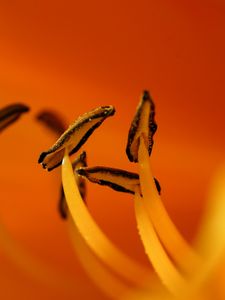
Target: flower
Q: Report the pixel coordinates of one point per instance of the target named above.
(186, 273)
(181, 270)
(51, 58)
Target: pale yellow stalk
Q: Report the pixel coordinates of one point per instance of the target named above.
(97, 241)
(179, 250)
(159, 259)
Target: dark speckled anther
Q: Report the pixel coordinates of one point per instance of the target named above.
(117, 179)
(144, 118)
(75, 136)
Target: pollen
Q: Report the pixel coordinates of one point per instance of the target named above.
(142, 124)
(117, 179)
(75, 136)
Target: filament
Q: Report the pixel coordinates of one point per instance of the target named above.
(177, 247)
(165, 269)
(106, 281)
(103, 248)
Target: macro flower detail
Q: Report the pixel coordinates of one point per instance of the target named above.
(173, 259)
(181, 270)
(143, 126)
(66, 236)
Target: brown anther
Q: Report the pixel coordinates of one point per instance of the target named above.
(142, 124)
(75, 136)
(117, 179)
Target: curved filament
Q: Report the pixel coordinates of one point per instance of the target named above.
(106, 281)
(177, 247)
(163, 266)
(104, 249)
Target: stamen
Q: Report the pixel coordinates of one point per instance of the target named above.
(11, 113)
(140, 142)
(154, 250)
(210, 243)
(103, 248)
(79, 162)
(52, 121)
(75, 136)
(143, 122)
(175, 244)
(117, 179)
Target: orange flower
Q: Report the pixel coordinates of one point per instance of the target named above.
(83, 55)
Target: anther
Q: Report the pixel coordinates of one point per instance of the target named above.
(142, 124)
(117, 179)
(75, 136)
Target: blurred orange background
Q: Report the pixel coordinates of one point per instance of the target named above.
(73, 56)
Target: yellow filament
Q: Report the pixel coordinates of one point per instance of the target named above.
(106, 281)
(182, 254)
(35, 267)
(210, 244)
(103, 248)
(165, 269)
